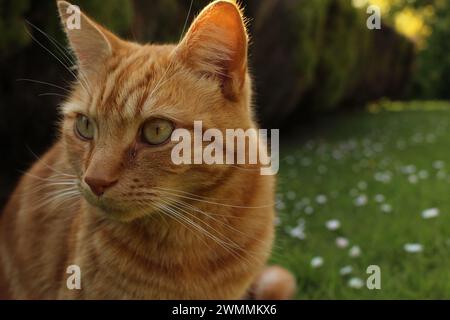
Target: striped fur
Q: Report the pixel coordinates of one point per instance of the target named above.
(126, 243)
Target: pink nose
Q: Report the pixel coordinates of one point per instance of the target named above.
(99, 186)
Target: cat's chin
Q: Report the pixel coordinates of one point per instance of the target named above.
(107, 210)
(124, 216)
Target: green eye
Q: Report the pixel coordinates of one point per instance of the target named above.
(157, 131)
(84, 127)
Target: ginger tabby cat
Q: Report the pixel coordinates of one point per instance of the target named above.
(107, 197)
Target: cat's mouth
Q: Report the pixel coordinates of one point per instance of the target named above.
(114, 209)
(105, 204)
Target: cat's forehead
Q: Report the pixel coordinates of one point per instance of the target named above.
(144, 82)
(129, 82)
(132, 78)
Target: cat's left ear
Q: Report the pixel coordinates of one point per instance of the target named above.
(216, 45)
(91, 43)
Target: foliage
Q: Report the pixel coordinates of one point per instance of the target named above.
(323, 57)
(432, 79)
(432, 73)
(13, 36)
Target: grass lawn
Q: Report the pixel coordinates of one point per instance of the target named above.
(374, 174)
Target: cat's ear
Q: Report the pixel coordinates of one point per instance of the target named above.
(216, 44)
(90, 42)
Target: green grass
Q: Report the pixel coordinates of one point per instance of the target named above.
(338, 160)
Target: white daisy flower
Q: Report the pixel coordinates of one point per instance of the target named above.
(291, 195)
(309, 210)
(384, 177)
(333, 224)
(354, 251)
(438, 164)
(361, 200)
(316, 262)
(441, 174)
(280, 205)
(430, 213)
(413, 179)
(410, 169)
(321, 199)
(386, 208)
(362, 185)
(346, 270)
(379, 198)
(423, 174)
(342, 242)
(298, 232)
(355, 283)
(413, 247)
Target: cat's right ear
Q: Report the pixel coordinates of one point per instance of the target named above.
(216, 45)
(90, 42)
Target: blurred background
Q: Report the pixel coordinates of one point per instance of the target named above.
(363, 116)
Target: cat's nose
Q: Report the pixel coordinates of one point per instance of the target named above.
(99, 185)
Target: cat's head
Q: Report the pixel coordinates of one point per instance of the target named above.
(130, 97)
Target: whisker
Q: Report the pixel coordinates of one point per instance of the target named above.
(60, 47)
(162, 190)
(51, 94)
(163, 209)
(59, 60)
(58, 198)
(209, 215)
(45, 83)
(48, 166)
(230, 247)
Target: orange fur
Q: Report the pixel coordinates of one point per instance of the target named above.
(124, 244)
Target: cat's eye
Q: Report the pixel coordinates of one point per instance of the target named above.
(84, 127)
(157, 131)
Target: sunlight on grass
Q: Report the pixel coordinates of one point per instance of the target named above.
(369, 189)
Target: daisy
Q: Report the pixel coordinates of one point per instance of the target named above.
(413, 179)
(355, 283)
(342, 242)
(430, 213)
(360, 200)
(354, 251)
(316, 262)
(346, 270)
(298, 232)
(309, 210)
(291, 195)
(438, 164)
(333, 224)
(321, 199)
(379, 198)
(362, 185)
(413, 247)
(386, 208)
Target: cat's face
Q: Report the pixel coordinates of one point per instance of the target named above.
(129, 99)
